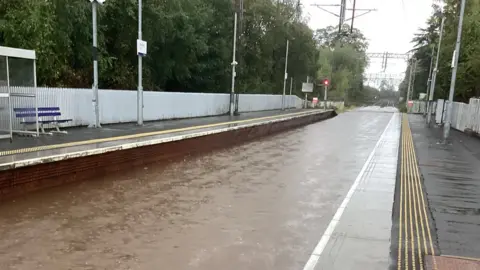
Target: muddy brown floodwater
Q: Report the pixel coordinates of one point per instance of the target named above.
(260, 205)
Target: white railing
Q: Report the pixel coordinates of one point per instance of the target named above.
(459, 115)
(464, 116)
(330, 104)
(418, 106)
(473, 116)
(119, 106)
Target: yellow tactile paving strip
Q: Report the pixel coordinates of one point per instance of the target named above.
(415, 237)
(141, 135)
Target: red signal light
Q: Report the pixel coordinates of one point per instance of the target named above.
(326, 82)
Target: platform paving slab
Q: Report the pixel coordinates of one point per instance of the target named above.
(361, 239)
(451, 174)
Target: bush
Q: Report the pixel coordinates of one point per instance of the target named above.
(402, 107)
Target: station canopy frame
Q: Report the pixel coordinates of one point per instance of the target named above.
(18, 89)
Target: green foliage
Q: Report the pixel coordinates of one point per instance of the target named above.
(189, 43)
(342, 60)
(468, 74)
(331, 37)
(402, 107)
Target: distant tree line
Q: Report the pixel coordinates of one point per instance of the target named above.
(189, 45)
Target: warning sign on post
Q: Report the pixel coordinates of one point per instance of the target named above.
(141, 47)
(307, 87)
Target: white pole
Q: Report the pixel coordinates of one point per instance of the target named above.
(95, 65)
(429, 81)
(285, 77)
(234, 63)
(140, 86)
(10, 109)
(36, 93)
(325, 98)
(290, 96)
(410, 78)
(306, 95)
(448, 122)
(434, 75)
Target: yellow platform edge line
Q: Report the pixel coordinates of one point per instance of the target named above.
(414, 178)
(405, 199)
(400, 219)
(141, 135)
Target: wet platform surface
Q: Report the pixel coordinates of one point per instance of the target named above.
(413, 231)
(84, 138)
(451, 175)
(359, 235)
(260, 205)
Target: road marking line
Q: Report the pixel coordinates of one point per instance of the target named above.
(410, 189)
(406, 202)
(317, 252)
(423, 201)
(412, 237)
(418, 216)
(139, 135)
(417, 192)
(416, 205)
(402, 176)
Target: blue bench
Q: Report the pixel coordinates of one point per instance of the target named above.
(46, 115)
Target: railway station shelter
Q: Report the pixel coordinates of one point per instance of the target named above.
(18, 92)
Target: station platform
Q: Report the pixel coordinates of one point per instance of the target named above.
(358, 236)
(435, 212)
(451, 179)
(131, 144)
(84, 138)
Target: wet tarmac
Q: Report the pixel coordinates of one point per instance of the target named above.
(261, 205)
(451, 175)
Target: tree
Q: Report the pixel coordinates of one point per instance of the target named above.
(342, 59)
(468, 73)
(330, 37)
(189, 43)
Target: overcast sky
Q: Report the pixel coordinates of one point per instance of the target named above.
(389, 29)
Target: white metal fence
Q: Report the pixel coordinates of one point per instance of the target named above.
(473, 120)
(330, 104)
(119, 106)
(417, 107)
(464, 116)
(420, 107)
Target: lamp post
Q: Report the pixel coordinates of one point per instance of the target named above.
(456, 54)
(141, 52)
(290, 96)
(434, 74)
(285, 77)
(234, 64)
(95, 63)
